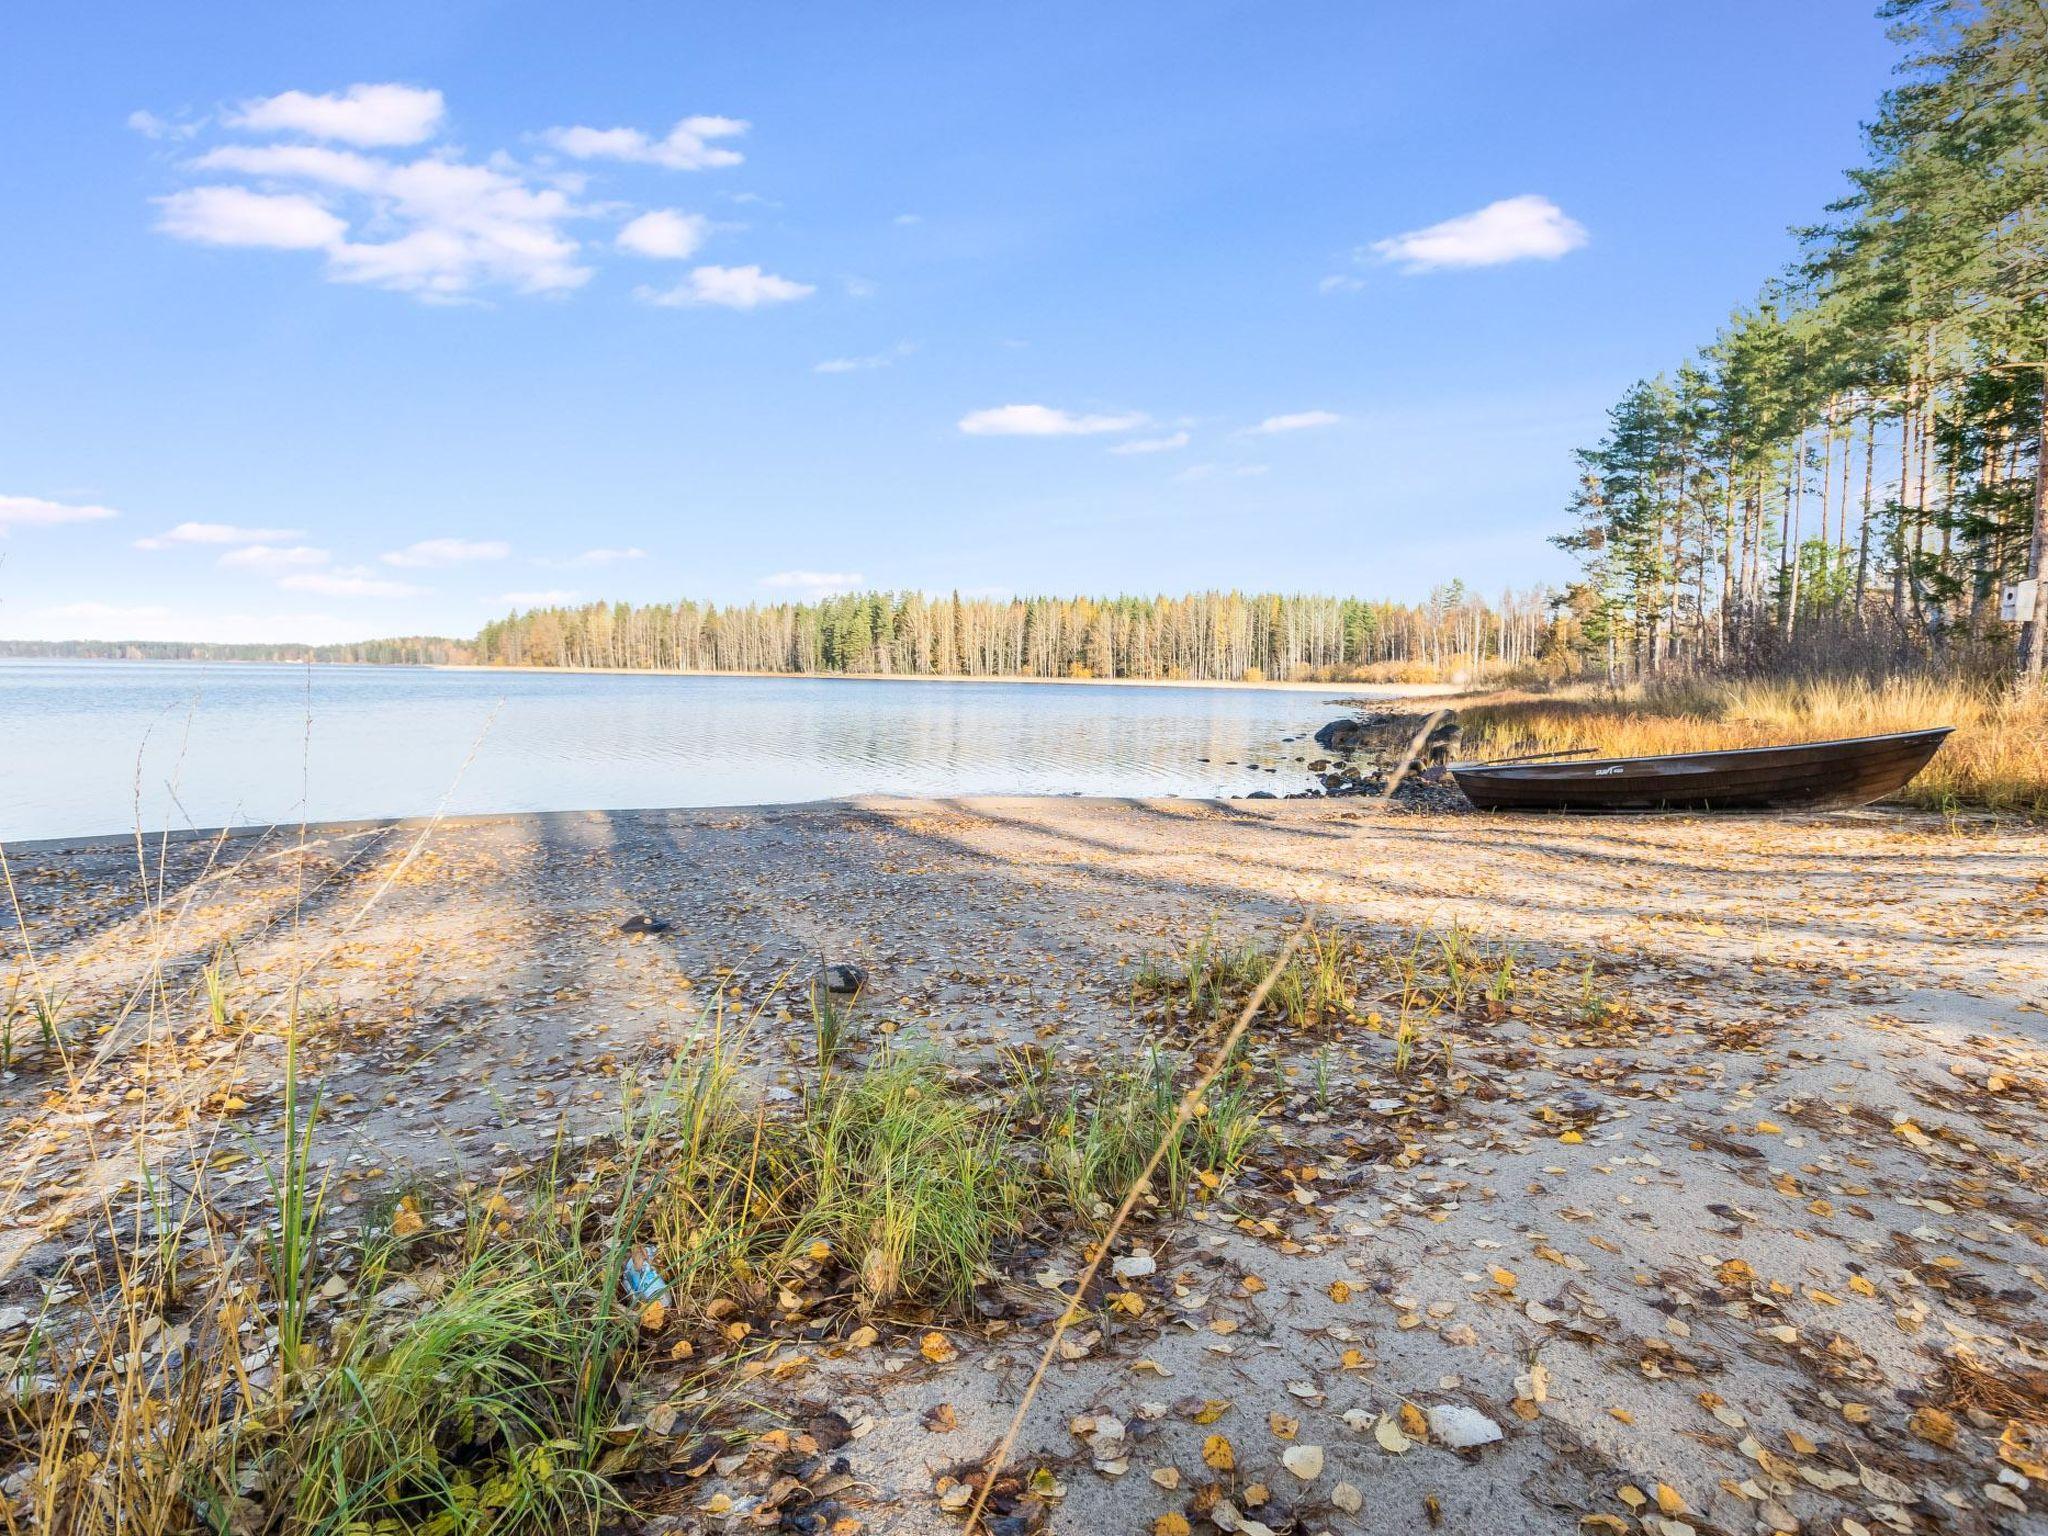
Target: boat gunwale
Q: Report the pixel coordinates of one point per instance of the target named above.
(1564, 771)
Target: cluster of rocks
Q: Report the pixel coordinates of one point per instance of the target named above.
(1363, 751)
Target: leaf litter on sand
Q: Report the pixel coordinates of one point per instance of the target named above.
(1731, 1103)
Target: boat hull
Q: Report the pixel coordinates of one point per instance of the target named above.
(1808, 776)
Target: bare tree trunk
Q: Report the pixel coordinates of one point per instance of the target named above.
(2034, 631)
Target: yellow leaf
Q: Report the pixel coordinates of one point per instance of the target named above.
(1933, 1426)
(654, 1316)
(1413, 1424)
(1217, 1455)
(1621, 1414)
(1253, 1285)
(1668, 1500)
(407, 1223)
(1128, 1302)
(1340, 1292)
(1504, 1278)
(1212, 1409)
(1282, 1426)
(1856, 1413)
(937, 1348)
(1571, 1138)
(1767, 1128)
(1172, 1523)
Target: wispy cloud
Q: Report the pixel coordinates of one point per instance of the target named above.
(1514, 229)
(727, 288)
(369, 115)
(218, 533)
(1045, 421)
(814, 583)
(901, 350)
(552, 597)
(436, 552)
(272, 557)
(1341, 282)
(33, 511)
(453, 225)
(348, 584)
(278, 221)
(152, 126)
(1294, 421)
(688, 146)
(665, 234)
(1165, 444)
(608, 556)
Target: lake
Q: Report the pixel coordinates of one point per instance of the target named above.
(102, 746)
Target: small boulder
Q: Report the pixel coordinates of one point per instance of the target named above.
(842, 978)
(641, 922)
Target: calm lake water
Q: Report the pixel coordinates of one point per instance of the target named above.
(93, 747)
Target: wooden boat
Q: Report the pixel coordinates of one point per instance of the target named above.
(1807, 776)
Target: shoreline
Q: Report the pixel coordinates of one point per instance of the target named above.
(1276, 685)
(1387, 690)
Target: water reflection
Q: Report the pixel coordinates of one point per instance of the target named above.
(98, 746)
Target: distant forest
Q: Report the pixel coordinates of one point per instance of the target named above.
(1213, 636)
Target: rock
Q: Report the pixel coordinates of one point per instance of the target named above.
(1345, 735)
(640, 922)
(843, 978)
(1262, 794)
(1458, 1428)
(1133, 1266)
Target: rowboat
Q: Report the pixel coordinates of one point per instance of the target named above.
(1806, 776)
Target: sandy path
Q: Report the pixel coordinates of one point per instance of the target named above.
(1788, 990)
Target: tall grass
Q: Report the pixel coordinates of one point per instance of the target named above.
(1998, 757)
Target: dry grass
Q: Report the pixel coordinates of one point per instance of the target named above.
(1998, 757)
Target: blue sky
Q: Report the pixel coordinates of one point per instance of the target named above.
(379, 318)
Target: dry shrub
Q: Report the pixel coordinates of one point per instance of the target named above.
(1998, 757)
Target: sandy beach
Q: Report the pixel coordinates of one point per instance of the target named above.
(1744, 1186)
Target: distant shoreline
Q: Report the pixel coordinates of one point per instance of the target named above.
(1276, 685)
(1390, 690)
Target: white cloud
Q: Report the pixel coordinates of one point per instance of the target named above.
(814, 583)
(272, 557)
(347, 584)
(237, 216)
(370, 115)
(664, 233)
(906, 220)
(457, 224)
(1513, 229)
(1340, 282)
(1165, 444)
(1295, 421)
(902, 349)
(33, 511)
(687, 146)
(608, 556)
(728, 288)
(150, 126)
(433, 552)
(218, 533)
(1044, 421)
(553, 597)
